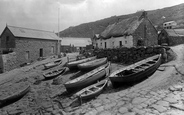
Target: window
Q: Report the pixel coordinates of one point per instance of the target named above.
(7, 39)
(27, 55)
(105, 44)
(52, 49)
(125, 42)
(120, 43)
(113, 44)
(101, 44)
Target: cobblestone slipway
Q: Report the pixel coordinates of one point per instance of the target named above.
(160, 94)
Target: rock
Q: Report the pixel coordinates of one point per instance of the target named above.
(176, 88)
(170, 100)
(97, 104)
(110, 105)
(138, 100)
(50, 109)
(104, 113)
(99, 109)
(123, 110)
(163, 103)
(130, 113)
(120, 103)
(93, 112)
(159, 108)
(139, 111)
(179, 106)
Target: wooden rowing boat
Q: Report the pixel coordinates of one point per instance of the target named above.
(136, 72)
(88, 78)
(92, 64)
(73, 64)
(52, 64)
(92, 90)
(14, 97)
(54, 73)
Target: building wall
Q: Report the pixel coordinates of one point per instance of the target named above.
(175, 40)
(7, 43)
(170, 40)
(114, 42)
(169, 25)
(145, 33)
(8, 62)
(27, 47)
(127, 41)
(163, 38)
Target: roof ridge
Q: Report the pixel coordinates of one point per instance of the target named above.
(175, 32)
(30, 29)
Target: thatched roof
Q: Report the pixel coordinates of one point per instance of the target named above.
(124, 27)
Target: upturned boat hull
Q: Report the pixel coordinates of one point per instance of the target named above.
(14, 97)
(74, 64)
(92, 64)
(52, 64)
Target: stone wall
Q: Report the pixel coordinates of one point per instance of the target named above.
(127, 55)
(175, 40)
(147, 33)
(8, 62)
(32, 47)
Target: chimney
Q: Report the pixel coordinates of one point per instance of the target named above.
(143, 15)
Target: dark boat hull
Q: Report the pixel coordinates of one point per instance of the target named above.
(89, 79)
(15, 97)
(81, 84)
(134, 78)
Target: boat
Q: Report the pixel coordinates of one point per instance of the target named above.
(54, 73)
(88, 78)
(52, 64)
(73, 64)
(87, 66)
(92, 90)
(14, 97)
(135, 72)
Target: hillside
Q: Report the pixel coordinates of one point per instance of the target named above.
(175, 13)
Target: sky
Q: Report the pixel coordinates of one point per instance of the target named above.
(44, 14)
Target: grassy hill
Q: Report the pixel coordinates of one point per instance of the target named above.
(175, 13)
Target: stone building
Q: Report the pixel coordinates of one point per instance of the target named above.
(29, 44)
(169, 25)
(171, 37)
(134, 31)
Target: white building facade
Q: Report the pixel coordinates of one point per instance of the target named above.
(114, 42)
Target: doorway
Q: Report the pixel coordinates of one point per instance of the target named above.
(41, 52)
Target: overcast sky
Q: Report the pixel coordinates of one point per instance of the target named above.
(43, 14)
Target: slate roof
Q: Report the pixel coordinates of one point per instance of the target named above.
(175, 32)
(78, 42)
(32, 33)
